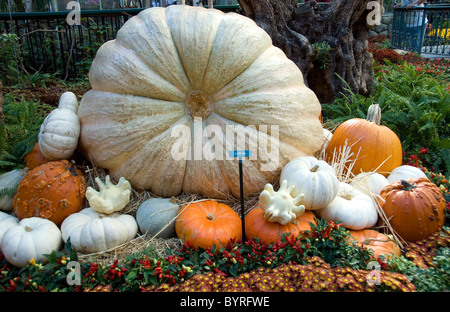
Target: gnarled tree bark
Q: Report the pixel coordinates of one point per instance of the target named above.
(342, 24)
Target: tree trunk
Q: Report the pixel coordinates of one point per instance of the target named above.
(342, 25)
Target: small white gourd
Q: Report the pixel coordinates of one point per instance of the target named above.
(110, 198)
(405, 172)
(313, 178)
(31, 238)
(355, 209)
(280, 206)
(6, 221)
(369, 182)
(90, 231)
(60, 130)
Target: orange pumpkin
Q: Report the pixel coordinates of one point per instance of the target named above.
(35, 158)
(379, 243)
(414, 207)
(51, 191)
(256, 226)
(374, 147)
(208, 223)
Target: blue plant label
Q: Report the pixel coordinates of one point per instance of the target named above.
(240, 153)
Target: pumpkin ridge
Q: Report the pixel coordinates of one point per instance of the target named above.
(183, 12)
(142, 23)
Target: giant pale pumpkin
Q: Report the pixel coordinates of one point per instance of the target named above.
(374, 147)
(179, 88)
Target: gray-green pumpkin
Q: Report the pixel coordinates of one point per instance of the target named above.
(156, 216)
(8, 185)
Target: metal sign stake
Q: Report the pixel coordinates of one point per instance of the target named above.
(240, 155)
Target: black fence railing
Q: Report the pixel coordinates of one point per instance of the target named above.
(45, 42)
(425, 30)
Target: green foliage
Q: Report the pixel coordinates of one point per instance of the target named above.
(9, 59)
(435, 278)
(322, 53)
(414, 105)
(349, 105)
(19, 130)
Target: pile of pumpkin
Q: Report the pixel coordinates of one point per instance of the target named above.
(49, 205)
(158, 76)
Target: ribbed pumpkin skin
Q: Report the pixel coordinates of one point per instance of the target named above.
(414, 214)
(208, 223)
(51, 191)
(256, 226)
(169, 67)
(381, 149)
(377, 242)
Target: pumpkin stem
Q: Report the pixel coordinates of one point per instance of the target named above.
(314, 169)
(210, 217)
(71, 168)
(374, 114)
(28, 229)
(407, 186)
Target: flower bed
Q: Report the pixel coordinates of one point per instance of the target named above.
(321, 260)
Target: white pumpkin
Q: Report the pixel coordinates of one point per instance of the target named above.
(60, 130)
(369, 182)
(8, 181)
(110, 197)
(313, 178)
(156, 217)
(68, 100)
(6, 221)
(405, 172)
(355, 209)
(179, 88)
(31, 238)
(90, 231)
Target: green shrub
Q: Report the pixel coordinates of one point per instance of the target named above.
(414, 105)
(435, 278)
(19, 130)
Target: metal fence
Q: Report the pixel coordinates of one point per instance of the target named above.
(425, 30)
(45, 42)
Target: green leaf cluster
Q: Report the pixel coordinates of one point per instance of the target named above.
(19, 130)
(432, 279)
(414, 105)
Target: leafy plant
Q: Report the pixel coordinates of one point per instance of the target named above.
(9, 59)
(19, 130)
(349, 105)
(435, 278)
(322, 53)
(414, 105)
